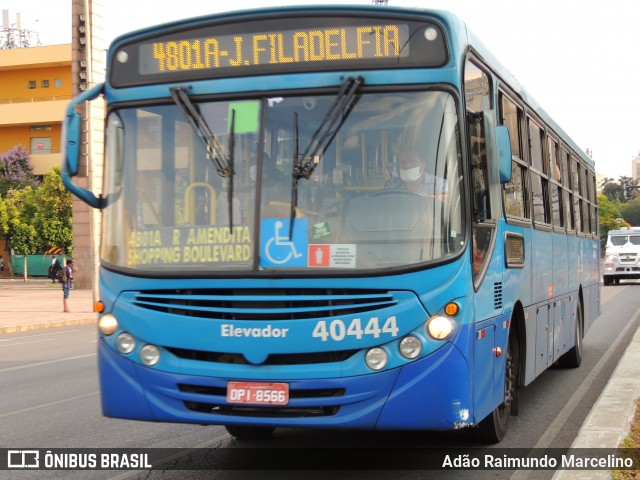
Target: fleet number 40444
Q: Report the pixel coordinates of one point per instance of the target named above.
(338, 330)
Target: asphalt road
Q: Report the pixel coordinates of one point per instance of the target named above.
(49, 399)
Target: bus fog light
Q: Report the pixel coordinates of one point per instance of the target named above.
(376, 358)
(149, 355)
(410, 347)
(125, 343)
(439, 327)
(107, 324)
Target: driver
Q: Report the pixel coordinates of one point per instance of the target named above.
(414, 177)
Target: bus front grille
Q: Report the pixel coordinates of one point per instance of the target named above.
(262, 412)
(264, 304)
(273, 359)
(294, 393)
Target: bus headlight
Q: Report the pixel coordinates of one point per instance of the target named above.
(107, 324)
(125, 343)
(410, 347)
(612, 258)
(149, 355)
(376, 358)
(439, 327)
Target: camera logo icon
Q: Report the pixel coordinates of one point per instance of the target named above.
(23, 459)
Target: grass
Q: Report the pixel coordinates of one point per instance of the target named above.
(632, 441)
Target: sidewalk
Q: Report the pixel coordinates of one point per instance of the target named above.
(37, 304)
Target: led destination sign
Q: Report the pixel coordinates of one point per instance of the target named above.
(293, 46)
(272, 46)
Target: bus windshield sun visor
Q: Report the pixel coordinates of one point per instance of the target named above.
(303, 165)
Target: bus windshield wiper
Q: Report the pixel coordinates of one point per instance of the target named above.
(303, 165)
(294, 179)
(201, 127)
(232, 146)
(325, 133)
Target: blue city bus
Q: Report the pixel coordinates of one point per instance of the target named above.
(332, 217)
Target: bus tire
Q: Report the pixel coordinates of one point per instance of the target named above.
(607, 280)
(244, 432)
(573, 358)
(493, 427)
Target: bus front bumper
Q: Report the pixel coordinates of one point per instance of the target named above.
(430, 394)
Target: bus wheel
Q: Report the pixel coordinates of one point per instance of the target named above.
(573, 358)
(494, 427)
(607, 280)
(242, 432)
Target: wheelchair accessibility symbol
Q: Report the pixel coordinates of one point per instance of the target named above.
(277, 249)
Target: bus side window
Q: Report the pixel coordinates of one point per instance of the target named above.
(479, 174)
(477, 99)
(555, 169)
(515, 192)
(567, 191)
(477, 90)
(539, 174)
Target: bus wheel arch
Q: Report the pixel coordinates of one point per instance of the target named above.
(518, 351)
(573, 357)
(493, 427)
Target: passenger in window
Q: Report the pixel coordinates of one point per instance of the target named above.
(414, 177)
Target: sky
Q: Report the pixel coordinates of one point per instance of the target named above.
(577, 58)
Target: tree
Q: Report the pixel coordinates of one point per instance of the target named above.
(614, 192)
(19, 209)
(631, 212)
(15, 170)
(53, 219)
(609, 215)
(36, 218)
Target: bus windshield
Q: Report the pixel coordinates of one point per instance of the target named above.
(385, 191)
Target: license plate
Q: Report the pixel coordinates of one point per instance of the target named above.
(258, 393)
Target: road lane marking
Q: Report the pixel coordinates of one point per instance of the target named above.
(25, 343)
(50, 404)
(37, 335)
(48, 362)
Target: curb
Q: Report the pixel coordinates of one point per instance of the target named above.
(30, 327)
(609, 421)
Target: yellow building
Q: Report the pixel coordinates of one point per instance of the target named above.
(35, 88)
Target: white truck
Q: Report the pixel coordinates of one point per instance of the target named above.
(622, 257)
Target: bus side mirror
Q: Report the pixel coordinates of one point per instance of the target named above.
(71, 138)
(71, 142)
(504, 153)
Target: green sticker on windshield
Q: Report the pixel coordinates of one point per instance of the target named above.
(247, 116)
(320, 230)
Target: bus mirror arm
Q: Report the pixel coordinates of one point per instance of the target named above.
(71, 145)
(504, 153)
